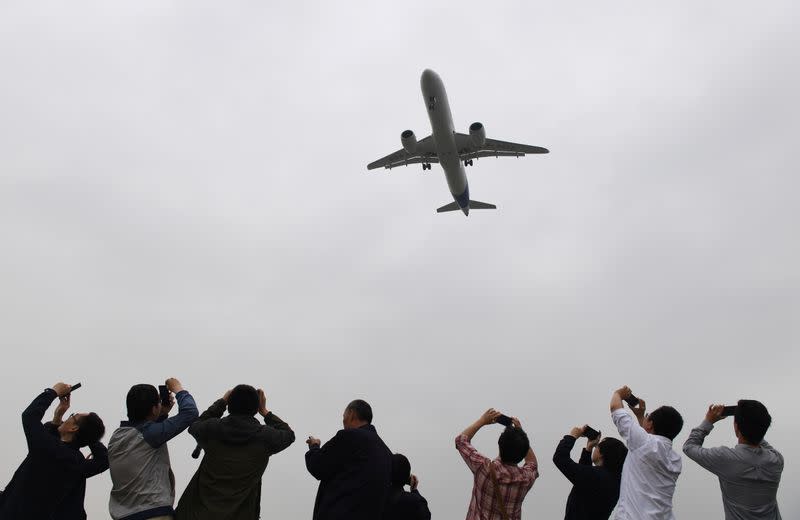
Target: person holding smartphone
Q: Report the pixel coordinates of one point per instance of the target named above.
(500, 484)
(595, 477)
(651, 467)
(51, 481)
(143, 486)
(750, 472)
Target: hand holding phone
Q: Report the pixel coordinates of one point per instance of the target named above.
(632, 400)
(590, 433)
(504, 420)
(727, 411)
(74, 387)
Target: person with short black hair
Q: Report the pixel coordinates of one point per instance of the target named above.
(402, 504)
(354, 468)
(500, 485)
(749, 473)
(143, 485)
(595, 488)
(651, 467)
(227, 484)
(51, 481)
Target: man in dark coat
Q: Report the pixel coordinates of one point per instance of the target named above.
(354, 469)
(51, 481)
(227, 485)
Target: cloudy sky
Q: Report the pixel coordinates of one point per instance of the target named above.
(183, 192)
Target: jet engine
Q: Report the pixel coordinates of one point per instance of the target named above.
(477, 134)
(409, 141)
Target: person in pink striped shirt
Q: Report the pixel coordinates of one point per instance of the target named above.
(501, 484)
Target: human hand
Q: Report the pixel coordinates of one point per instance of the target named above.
(714, 413)
(173, 385)
(624, 392)
(639, 409)
(590, 444)
(515, 423)
(313, 441)
(166, 408)
(62, 389)
(227, 395)
(61, 409)
(576, 431)
(413, 482)
(489, 416)
(262, 402)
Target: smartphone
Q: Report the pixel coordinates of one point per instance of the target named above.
(505, 421)
(163, 392)
(728, 411)
(590, 433)
(74, 387)
(632, 400)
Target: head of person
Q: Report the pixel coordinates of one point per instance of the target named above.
(357, 414)
(664, 421)
(243, 400)
(751, 421)
(82, 429)
(610, 453)
(401, 470)
(143, 402)
(513, 444)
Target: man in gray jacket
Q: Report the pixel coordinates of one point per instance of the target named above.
(750, 472)
(143, 483)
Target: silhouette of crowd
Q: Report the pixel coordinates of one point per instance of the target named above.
(359, 476)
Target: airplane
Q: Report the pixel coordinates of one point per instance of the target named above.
(452, 150)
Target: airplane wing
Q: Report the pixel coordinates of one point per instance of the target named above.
(494, 148)
(424, 153)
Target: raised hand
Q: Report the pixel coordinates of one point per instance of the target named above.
(490, 416)
(62, 389)
(173, 385)
(413, 482)
(262, 402)
(714, 413)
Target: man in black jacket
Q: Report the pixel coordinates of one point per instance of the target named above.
(51, 481)
(354, 469)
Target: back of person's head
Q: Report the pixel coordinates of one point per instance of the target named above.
(752, 419)
(401, 470)
(361, 409)
(140, 402)
(613, 452)
(667, 422)
(90, 430)
(514, 445)
(243, 400)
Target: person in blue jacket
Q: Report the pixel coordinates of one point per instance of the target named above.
(51, 481)
(142, 478)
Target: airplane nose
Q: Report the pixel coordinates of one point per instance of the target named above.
(428, 77)
(466, 211)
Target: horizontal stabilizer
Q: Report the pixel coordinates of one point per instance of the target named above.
(453, 206)
(475, 204)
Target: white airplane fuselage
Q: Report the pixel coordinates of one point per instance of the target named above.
(444, 140)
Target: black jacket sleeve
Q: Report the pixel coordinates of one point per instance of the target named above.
(277, 434)
(36, 433)
(578, 474)
(324, 462)
(421, 511)
(199, 428)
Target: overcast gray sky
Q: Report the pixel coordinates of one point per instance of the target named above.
(183, 192)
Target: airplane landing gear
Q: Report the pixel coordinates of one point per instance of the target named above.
(426, 166)
(467, 162)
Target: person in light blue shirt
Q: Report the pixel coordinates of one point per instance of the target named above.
(750, 472)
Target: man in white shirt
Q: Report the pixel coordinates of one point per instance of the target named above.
(652, 467)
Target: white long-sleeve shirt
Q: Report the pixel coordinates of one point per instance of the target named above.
(649, 475)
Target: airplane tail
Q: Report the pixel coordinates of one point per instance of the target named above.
(473, 204)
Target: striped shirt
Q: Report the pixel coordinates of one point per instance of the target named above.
(514, 483)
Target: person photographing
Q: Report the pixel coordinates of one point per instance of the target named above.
(750, 472)
(51, 481)
(595, 477)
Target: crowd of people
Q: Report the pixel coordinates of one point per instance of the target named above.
(359, 477)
